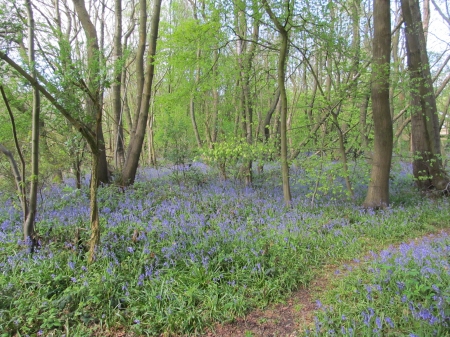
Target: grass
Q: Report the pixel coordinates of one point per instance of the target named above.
(180, 252)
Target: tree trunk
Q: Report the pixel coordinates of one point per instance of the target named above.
(151, 142)
(343, 155)
(29, 223)
(140, 74)
(119, 156)
(135, 147)
(378, 191)
(426, 147)
(194, 121)
(281, 72)
(93, 108)
(266, 124)
(363, 121)
(20, 179)
(215, 112)
(17, 176)
(245, 60)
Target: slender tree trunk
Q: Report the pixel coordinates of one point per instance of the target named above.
(119, 156)
(135, 147)
(343, 156)
(29, 223)
(281, 72)
(215, 112)
(192, 107)
(378, 191)
(140, 74)
(266, 124)
(151, 142)
(20, 179)
(94, 240)
(77, 169)
(93, 108)
(246, 54)
(194, 121)
(283, 118)
(364, 105)
(15, 171)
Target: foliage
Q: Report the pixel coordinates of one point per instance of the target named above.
(226, 155)
(325, 176)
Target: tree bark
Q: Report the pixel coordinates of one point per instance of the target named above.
(246, 54)
(378, 191)
(140, 71)
(14, 169)
(20, 179)
(281, 72)
(135, 147)
(426, 147)
(119, 155)
(93, 109)
(29, 221)
(266, 124)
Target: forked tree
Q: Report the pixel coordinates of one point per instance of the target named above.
(144, 91)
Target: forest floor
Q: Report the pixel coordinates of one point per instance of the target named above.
(210, 259)
(296, 313)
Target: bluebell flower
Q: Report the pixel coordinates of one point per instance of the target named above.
(389, 321)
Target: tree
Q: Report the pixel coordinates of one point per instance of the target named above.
(245, 54)
(426, 144)
(283, 29)
(378, 191)
(119, 155)
(28, 226)
(28, 206)
(94, 109)
(144, 91)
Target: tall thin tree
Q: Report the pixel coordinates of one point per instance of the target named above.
(29, 223)
(283, 30)
(378, 191)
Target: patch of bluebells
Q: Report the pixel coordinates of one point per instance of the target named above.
(167, 246)
(404, 289)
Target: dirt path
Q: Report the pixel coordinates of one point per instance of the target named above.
(296, 314)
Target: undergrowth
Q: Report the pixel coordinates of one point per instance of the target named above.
(402, 291)
(178, 255)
